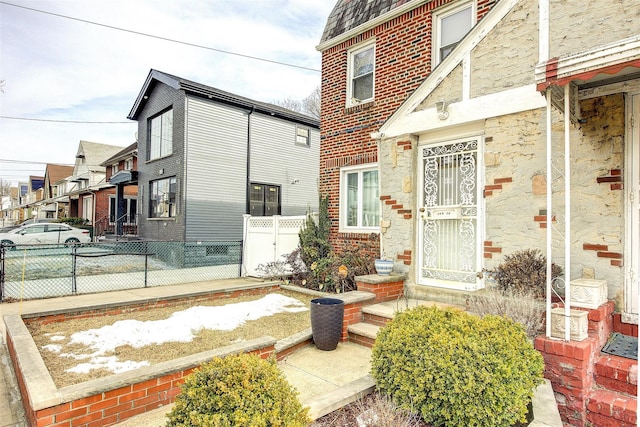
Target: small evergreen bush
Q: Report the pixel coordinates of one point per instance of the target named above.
(457, 369)
(524, 271)
(241, 390)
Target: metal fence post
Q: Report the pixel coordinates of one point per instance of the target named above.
(74, 285)
(2, 253)
(146, 262)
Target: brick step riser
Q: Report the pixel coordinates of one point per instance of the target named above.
(617, 374)
(607, 408)
(361, 340)
(374, 319)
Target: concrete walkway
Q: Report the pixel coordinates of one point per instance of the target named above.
(324, 379)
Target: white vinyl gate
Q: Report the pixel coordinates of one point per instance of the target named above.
(268, 239)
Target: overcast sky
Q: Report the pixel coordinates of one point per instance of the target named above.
(61, 69)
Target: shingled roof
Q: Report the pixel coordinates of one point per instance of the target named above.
(348, 14)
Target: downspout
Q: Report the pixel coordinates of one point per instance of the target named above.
(543, 57)
(247, 185)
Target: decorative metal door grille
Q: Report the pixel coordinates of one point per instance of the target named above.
(450, 212)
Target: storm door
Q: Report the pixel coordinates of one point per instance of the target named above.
(449, 224)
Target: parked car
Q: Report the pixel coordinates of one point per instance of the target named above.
(56, 233)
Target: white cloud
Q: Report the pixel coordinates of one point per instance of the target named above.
(57, 68)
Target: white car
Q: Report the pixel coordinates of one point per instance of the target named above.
(56, 233)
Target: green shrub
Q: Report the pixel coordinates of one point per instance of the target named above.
(523, 271)
(457, 369)
(242, 390)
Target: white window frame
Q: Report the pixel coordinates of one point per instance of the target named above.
(301, 138)
(351, 100)
(169, 200)
(164, 149)
(128, 164)
(438, 16)
(344, 191)
(114, 169)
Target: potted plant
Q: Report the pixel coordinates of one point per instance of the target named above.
(383, 266)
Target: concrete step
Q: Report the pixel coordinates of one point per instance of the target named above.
(617, 373)
(611, 408)
(377, 315)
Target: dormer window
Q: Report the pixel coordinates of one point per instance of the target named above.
(361, 74)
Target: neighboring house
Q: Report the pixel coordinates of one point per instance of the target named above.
(374, 55)
(55, 202)
(31, 193)
(90, 198)
(207, 157)
(9, 207)
(526, 136)
(122, 173)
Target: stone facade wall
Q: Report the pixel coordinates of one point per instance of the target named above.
(514, 171)
(618, 20)
(507, 56)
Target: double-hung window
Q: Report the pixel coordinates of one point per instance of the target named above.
(452, 24)
(160, 135)
(162, 198)
(359, 199)
(361, 69)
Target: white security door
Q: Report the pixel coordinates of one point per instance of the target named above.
(449, 226)
(632, 252)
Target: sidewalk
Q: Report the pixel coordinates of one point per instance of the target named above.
(313, 372)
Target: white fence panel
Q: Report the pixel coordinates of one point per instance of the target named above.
(268, 239)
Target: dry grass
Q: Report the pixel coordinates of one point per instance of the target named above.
(372, 410)
(278, 326)
(520, 306)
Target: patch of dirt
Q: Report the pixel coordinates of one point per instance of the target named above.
(279, 326)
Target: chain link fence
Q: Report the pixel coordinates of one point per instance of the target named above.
(44, 271)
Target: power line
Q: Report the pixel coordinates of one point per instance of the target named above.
(163, 38)
(67, 121)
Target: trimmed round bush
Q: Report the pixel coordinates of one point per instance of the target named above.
(240, 390)
(457, 369)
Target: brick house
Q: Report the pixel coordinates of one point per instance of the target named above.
(525, 137)
(374, 55)
(122, 174)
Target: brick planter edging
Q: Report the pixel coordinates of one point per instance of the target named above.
(115, 398)
(385, 287)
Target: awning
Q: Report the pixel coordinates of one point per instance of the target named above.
(124, 177)
(620, 59)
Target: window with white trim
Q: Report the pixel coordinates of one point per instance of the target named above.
(128, 164)
(451, 25)
(302, 136)
(162, 198)
(114, 169)
(160, 138)
(359, 198)
(361, 68)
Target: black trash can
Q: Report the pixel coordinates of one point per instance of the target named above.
(326, 322)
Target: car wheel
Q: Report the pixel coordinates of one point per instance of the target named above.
(10, 244)
(71, 241)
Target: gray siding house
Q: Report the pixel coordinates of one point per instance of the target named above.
(206, 157)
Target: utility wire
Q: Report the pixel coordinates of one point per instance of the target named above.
(162, 38)
(65, 121)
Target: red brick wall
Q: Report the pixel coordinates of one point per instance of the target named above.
(403, 61)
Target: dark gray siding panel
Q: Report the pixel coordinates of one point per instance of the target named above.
(161, 98)
(215, 156)
(277, 159)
